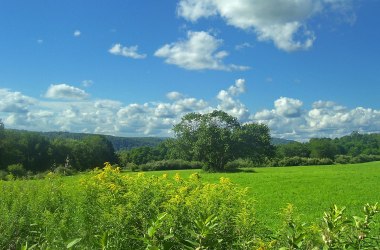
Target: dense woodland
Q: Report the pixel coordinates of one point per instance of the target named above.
(198, 143)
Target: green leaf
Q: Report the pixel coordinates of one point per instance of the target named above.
(73, 243)
(167, 237)
(151, 231)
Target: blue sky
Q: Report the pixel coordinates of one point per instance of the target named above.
(133, 68)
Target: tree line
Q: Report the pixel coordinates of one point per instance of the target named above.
(353, 148)
(215, 142)
(25, 151)
(221, 143)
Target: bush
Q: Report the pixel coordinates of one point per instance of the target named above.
(134, 204)
(3, 175)
(343, 159)
(365, 158)
(64, 171)
(239, 163)
(301, 161)
(170, 165)
(131, 166)
(325, 161)
(17, 170)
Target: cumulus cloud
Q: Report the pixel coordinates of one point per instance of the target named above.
(229, 103)
(64, 91)
(131, 52)
(198, 52)
(288, 117)
(288, 107)
(15, 102)
(282, 22)
(290, 120)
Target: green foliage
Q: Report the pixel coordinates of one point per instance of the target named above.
(239, 163)
(299, 161)
(336, 231)
(293, 149)
(64, 171)
(110, 210)
(354, 148)
(139, 155)
(118, 143)
(38, 154)
(90, 152)
(322, 148)
(16, 170)
(3, 175)
(342, 232)
(217, 138)
(170, 165)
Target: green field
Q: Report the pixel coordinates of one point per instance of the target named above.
(86, 206)
(312, 189)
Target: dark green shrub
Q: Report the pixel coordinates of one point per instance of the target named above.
(170, 165)
(64, 171)
(365, 158)
(3, 175)
(239, 163)
(343, 159)
(302, 161)
(325, 161)
(291, 161)
(17, 170)
(131, 166)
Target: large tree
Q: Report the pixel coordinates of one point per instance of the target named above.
(217, 138)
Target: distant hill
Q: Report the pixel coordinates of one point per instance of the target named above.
(120, 143)
(279, 141)
(117, 141)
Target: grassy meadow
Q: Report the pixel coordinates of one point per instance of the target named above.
(107, 209)
(311, 189)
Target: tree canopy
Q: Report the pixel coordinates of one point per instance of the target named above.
(217, 138)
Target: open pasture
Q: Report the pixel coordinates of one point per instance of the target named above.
(311, 189)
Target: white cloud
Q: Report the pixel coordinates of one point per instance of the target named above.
(288, 107)
(131, 52)
(15, 102)
(40, 41)
(282, 22)
(231, 105)
(324, 119)
(174, 95)
(288, 118)
(77, 33)
(64, 91)
(198, 52)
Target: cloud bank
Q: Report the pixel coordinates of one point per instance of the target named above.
(71, 109)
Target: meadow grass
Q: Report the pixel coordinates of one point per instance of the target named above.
(56, 210)
(311, 189)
